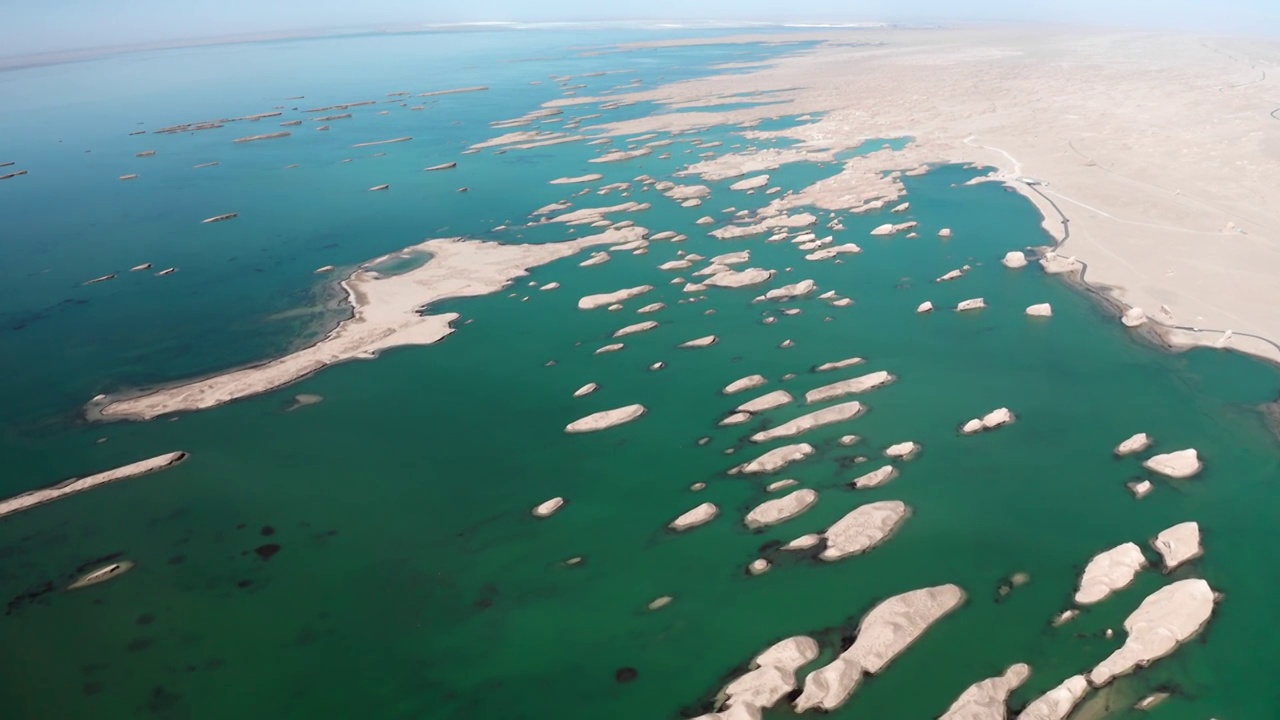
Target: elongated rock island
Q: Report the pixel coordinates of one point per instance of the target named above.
(816, 419)
(1165, 620)
(772, 512)
(605, 419)
(33, 498)
(863, 529)
(386, 313)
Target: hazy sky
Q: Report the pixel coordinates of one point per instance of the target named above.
(33, 26)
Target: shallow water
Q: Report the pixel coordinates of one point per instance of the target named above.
(410, 579)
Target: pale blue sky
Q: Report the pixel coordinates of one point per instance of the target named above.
(34, 26)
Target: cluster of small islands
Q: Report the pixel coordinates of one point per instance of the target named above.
(388, 311)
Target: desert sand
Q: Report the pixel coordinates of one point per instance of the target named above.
(1176, 208)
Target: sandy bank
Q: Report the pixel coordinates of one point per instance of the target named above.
(33, 498)
(605, 419)
(804, 423)
(386, 313)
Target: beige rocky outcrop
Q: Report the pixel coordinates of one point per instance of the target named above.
(903, 450)
(862, 529)
(875, 478)
(852, 386)
(737, 279)
(1014, 260)
(1058, 703)
(605, 419)
(839, 364)
(749, 382)
(700, 515)
(766, 402)
(548, 508)
(925, 307)
(636, 328)
(971, 304)
(884, 633)
(816, 419)
(1165, 619)
(1178, 544)
(1040, 310)
(776, 459)
(988, 699)
(778, 510)
(585, 390)
(592, 302)
(701, 342)
(1136, 444)
(1180, 465)
(1109, 571)
(788, 292)
(1133, 317)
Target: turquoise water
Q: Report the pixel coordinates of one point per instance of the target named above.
(410, 579)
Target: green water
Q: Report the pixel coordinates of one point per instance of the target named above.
(411, 581)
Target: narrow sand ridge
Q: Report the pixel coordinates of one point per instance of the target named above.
(605, 419)
(33, 498)
(852, 386)
(386, 313)
(884, 633)
(816, 419)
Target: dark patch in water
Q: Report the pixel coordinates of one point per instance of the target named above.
(488, 594)
(769, 547)
(244, 584)
(267, 531)
(267, 551)
(96, 562)
(145, 619)
(626, 674)
(91, 688)
(139, 644)
(241, 526)
(32, 594)
(162, 700)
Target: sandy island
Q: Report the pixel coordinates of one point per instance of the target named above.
(33, 498)
(386, 313)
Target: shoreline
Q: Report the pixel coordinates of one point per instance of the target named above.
(385, 314)
(1184, 235)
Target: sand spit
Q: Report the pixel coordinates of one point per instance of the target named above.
(382, 142)
(701, 342)
(1058, 703)
(220, 218)
(441, 166)
(377, 188)
(130, 176)
(766, 402)
(816, 419)
(700, 515)
(1178, 544)
(100, 279)
(778, 510)
(749, 382)
(754, 183)
(839, 364)
(775, 459)
(592, 177)
(33, 498)
(386, 313)
(435, 93)
(863, 529)
(827, 253)
(588, 215)
(1109, 571)
(651, 308)
(620, 155)
(737, 418)
(852, 386)
(585, 390)
(592, 302)
(267, 136)
(884, 633)
(12, 175)
(548, 508)
(636, 328)
(1136, 444)
(343, 106)
(1179, 465)
(331, 118)
(102, 574)
(597, 258)
(605, 419)
(1164, 620)
(875, 478)
(987, 700)
(614, 347)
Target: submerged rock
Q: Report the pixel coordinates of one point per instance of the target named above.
(776, 459)
(884, 633)
(1058, 703)
(1164, 620)
(778, 510)
(766, 402)
(875, 478)
(862, 529)
(1180, 465)
(548, 508)
(816, 419)
(852, 386)
(1109, 571)
(749, 382)
(605, 419)
(1178, 544)
(1135, 444)
(659, 603)
(702, 514)
(987, 700)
